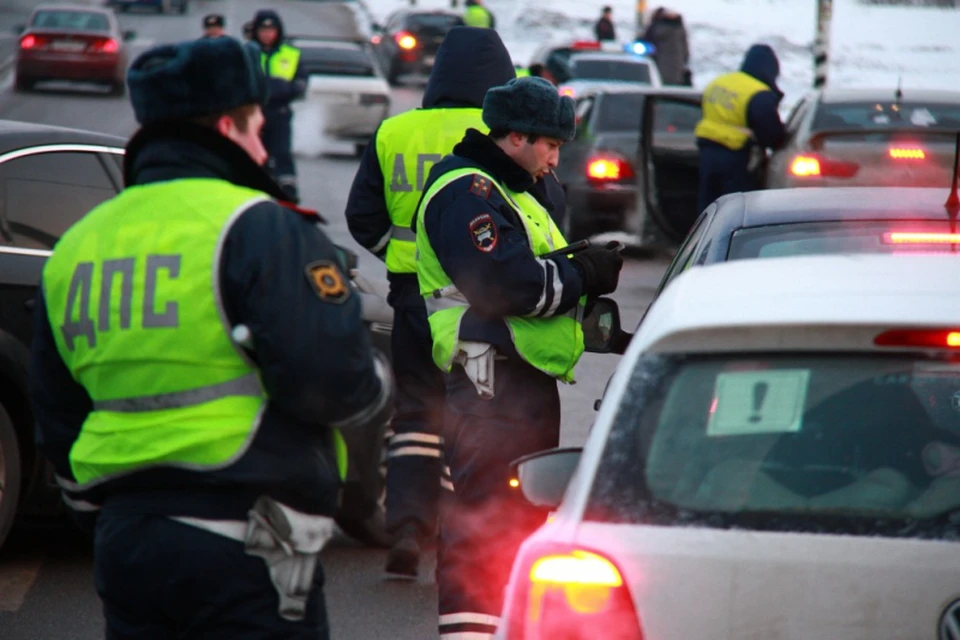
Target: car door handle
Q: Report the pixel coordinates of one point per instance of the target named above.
(30, 304)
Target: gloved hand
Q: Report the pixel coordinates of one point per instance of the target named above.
(600, 267)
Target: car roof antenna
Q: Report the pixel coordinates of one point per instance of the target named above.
(953, 200)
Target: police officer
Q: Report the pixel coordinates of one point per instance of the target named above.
(281, 62)
(740, 120)
(202, 456)
(505, 326)
(213, 25)
(380, 208)
(477, 15)
(248, 30)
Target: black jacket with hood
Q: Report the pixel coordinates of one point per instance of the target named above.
(470, 61)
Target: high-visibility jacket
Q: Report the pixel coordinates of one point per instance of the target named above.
(725, 103)
(477, 16)
(137, 318)
(408, 145)
(281, 64)
(552, 344)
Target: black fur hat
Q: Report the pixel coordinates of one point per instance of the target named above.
(195, 78)
(530, 105)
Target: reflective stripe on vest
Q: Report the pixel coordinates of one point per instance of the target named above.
(136, 313)
(282, 63)
(476, 16)
(725, 103)
(552, 344)
(408, 145)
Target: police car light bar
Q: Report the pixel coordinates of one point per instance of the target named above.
(640, 48)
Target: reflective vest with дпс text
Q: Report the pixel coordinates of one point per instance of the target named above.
(725, 103)
(282, 63)
(135, 314)
(408, 145)
(553, 344)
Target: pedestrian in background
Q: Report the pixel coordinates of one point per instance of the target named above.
(668, 35)
(603, 29)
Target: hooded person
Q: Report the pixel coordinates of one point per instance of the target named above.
(505, 318)
(288, 82)
(380, 208)
(669, 35)
(741, 119)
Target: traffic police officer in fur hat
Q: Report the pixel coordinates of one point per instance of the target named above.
(198, 351)
(505, 327)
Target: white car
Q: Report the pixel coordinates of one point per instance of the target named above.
(347, 96)
(592, 71)
(777, 456)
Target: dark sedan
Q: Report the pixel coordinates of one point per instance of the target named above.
(407, 43)
(72, 42)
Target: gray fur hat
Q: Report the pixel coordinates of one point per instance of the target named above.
(195, 78)
(530, 105)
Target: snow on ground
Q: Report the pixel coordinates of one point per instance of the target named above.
(870, 45)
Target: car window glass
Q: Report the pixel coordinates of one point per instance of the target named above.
(671, 116)
(836, 442)
(74, 20)
(336, 61)
(620, 70)
(583, 110)
(619, 112)
(45, 193)
(794, 119)
(877, 116)
(433, 23)
(685, 255)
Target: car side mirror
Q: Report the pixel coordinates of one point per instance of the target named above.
(19, 29)
(601, 327)
(129, 35)
(542, 477)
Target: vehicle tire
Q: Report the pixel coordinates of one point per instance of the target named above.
(23, 83)
(10, 470)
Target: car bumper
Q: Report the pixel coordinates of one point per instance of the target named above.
(607, 202)
(353, 121)
(68, 67)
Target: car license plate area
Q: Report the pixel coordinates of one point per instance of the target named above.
(429, 60)
(68, 46)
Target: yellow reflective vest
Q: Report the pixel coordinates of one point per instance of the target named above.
(725, 103)
(282, 64)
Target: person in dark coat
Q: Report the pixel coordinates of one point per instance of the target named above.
(603, 29)
(741, 119)
(669, 35)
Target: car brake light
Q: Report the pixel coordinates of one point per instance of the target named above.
(930, 338)
(567, 91)
(907, 153)
(405, 40)
(609, 168)
(920, 237)
(106, 46)
(28, 42)
(814, 166)
(572, 594)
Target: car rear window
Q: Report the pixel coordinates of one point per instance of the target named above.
(845, 443)
(624, 71)
(433, 24)
(880, 115)
(77, 20)
(619, 112)
(336, 61)
(821, 238)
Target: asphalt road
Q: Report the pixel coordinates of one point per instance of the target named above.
(46, 588)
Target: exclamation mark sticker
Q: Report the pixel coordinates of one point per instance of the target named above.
(759, 395)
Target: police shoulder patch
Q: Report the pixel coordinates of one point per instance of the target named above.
(483, 232)
(327, 281)
(481, 186)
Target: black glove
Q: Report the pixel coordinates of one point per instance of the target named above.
(600, 268)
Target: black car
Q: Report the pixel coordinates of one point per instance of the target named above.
(407, 43)
(49, 178)
(599, 167)
(159, 6)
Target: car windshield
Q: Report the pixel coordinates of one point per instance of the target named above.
(618, 70)
(848, 443)
(818, 238)
(620, 112)
(882, 115)
(74, 20)
(336, 61)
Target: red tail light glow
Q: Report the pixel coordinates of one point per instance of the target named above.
(608, 168)
(105, 46)
(811, 166)
(405, 40)
(907, 153)
(924, 338)
(572, 594)
(920, 237)
(588, 45)
(28, 42)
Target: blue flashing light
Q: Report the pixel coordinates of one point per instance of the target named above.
(640, 48)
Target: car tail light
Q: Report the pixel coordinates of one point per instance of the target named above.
(376, 39)
(929, 338)
(920, 237)
(609, 169)
(29, 42)
(907, 153)
(405, 40)
(810, 166)
(108, 45)
(567, 91)
(571, 594)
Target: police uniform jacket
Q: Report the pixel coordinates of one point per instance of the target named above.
(313, 352)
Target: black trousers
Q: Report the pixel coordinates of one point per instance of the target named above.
(160, 579)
